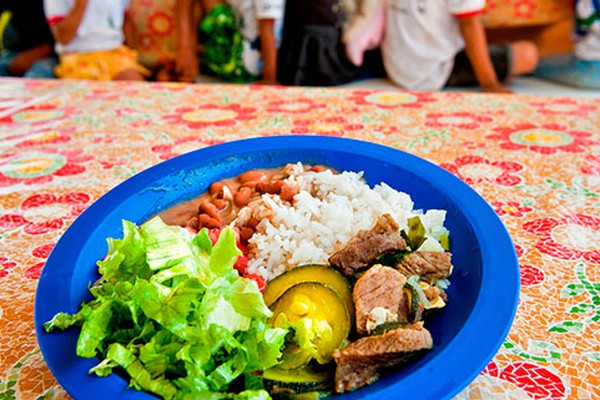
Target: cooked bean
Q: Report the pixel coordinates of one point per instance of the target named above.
(213, 223)
(220, 203)
(250, 184)
(252, 222)
(209, 208)
(245, 234)
(252, 176)
(270, 187)
(318, 168)
(242, 197)
(288, 192)
(203, 220)
(215, 188)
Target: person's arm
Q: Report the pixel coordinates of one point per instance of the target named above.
(24, 60)
(476, 47)
(186, 59)
(65, 29)
(266, 30)
(129, 30)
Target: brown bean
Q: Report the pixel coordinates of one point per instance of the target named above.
(209, 208)
(288, 192)
(252, 222)
(203, 220)
(215, 188)
(245, 234)
(213, 223)
(242, 197)
(273, 187)
(250, 176)
(250, 184)
(318, 168)
(220, 203)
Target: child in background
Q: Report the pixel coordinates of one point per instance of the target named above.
(90, 40)
(153, 36)
(582, 68)
(27, 44)
(239, 38)
(430, 44)
(364, 28)
(313, 52)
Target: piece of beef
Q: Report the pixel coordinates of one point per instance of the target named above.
(367, 245)
(358, 363)
(429, 265)
(379, 287)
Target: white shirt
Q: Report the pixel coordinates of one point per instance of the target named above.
(422, 38)
(101, 27)
(587, 42)
(249, 12)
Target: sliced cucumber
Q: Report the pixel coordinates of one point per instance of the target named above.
(323, 274)
(293, 381)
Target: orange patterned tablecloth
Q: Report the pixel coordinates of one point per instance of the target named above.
(536, 160)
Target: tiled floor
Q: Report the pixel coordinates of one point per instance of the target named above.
(521, 85)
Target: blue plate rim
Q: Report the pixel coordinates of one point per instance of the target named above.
(501, 255)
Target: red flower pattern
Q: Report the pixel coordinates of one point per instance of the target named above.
(39, 114)
(42, 252)
(391, 99)
(537, 381)
(594, 167)
(564, 106)
(512, 208)
(462, 120)
(34, 167)
(5, 266)
(556, 236)
(545, 139)
(47, 137)
(332, 126)
(211, 115)
(524, 9)
(38, 213)
(161, 23)
(297, 106)
(475, 169)
(531, 275)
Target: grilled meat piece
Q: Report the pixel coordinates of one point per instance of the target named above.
(380, 287)
(429, 265)
(367, 245)
(359, 363)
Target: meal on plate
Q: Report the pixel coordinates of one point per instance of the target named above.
(295, 282)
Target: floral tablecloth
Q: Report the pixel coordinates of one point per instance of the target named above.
(536, 160)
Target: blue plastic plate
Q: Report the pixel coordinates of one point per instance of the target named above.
(467, 332)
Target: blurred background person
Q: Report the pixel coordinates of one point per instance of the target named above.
(581, 68)
(27, 43)
(90, 40)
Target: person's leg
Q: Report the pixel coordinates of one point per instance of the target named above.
(525, 58)
(42, 69)
(122, 64)
(129, 75)
(24, 60)
(6, 58)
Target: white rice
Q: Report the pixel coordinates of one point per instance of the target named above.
(327, 212)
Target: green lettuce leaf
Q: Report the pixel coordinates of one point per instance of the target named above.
(173, 313)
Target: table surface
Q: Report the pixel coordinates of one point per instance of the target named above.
(536, 160)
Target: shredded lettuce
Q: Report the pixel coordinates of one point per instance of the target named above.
(172, 312)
